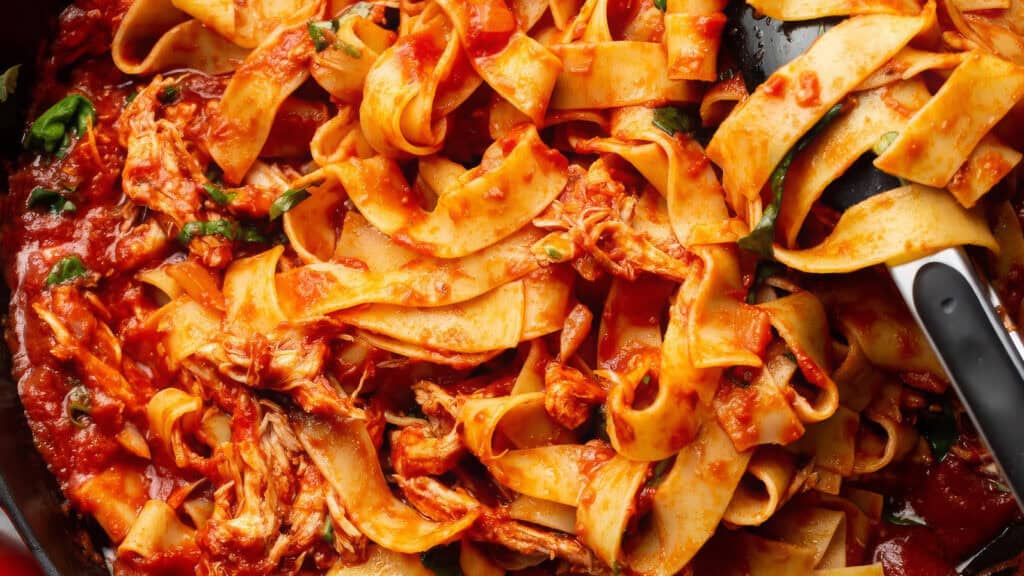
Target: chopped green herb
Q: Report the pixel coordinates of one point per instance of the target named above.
(317, 33)
(761, 237)
(287, 201)
(327, 535)
(884, 142)
(66, 270)
(130, 98)
(905, 516)
(349, 49)
(765, 270)
(553, 253)
(52, 131)
(646, 379)
(211, 227)
(788, 354)
(218, 195)
(661, 5)
(726, 74)
(170, 94)
(616, 567)
(671, 120)
(9, 82)
(1000, 486)
(251, 235)
(442, 560)
(52, 199)
(78, 404)
(939, 429)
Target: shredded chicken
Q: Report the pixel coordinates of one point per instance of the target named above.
(569, 395)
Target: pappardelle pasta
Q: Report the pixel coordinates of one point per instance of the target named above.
(493, 287)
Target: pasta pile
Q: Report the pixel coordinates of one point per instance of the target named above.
(526, 283)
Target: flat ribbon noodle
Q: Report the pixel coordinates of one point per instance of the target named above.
(978, 93)
(760, 131)
(800, 320)
(688, 504)
(344, 454)
(607, 505)
(250, 292)
(897, 225)
(154, 36)
(769, 474)
(546, 472)
(482, 207)
(693, 34)
(517, 67)
(242, 122)
(795, 10)
(413, 85)
(249, 23)
(847, 138)
(323, 288)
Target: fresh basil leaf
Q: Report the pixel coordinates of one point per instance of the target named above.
(671, 120)
(761, 237)
(9, 82)
(130, 98)
(66, 270)
(218, 195)
(659, 472)
(52, 131)
(285, 202)
(52, 199)
(78, 404)
(661, 5)
(765, 270)
(442, 560)
(939, 429)
(553, 253)
(169, 95)
(220, 227)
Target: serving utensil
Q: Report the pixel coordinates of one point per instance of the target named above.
(953, 304)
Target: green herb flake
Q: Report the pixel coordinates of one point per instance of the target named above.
(761, 237)
(220, 227)
(9, 82)
(670, 120)
(349, 49)
(214, 173)
(939, 429)
(51, 199)
(442, 560)
(884, 142)
(327, 535)
(252, 235)
(218, 195)
(659, 472)
(169, 95)
(317, 33)
(661, 5)
(616, 567)
(287, 201)
(130, 98)
(553, 253)
(66, 270)
(646, 379)
(51, 132)
(78, 405)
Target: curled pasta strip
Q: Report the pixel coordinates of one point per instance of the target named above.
(519, 176)
(155, 36)
(413, 85)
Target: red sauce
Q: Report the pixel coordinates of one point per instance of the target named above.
(490, 25)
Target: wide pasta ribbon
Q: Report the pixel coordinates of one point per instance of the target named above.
(893, 226)
(519, 176)
(754, 138)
